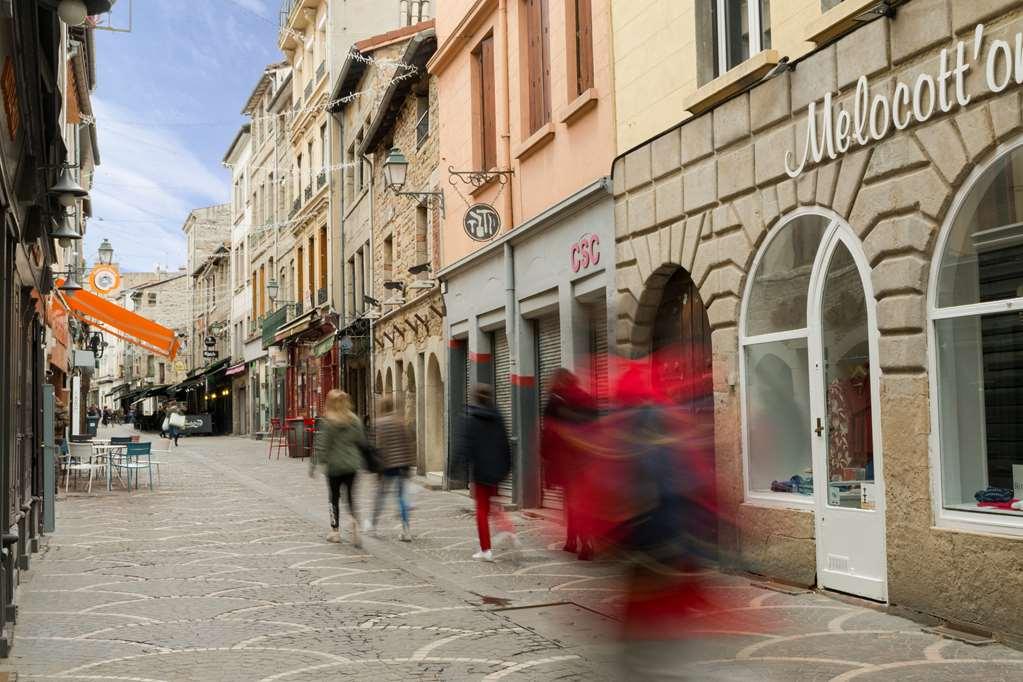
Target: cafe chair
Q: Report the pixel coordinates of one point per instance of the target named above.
(81, 459)
(132, 462)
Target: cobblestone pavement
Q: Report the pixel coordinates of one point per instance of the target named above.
(223, 573)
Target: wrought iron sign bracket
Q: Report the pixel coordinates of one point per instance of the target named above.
(479, 178)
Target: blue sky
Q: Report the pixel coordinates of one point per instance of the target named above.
(167, 103)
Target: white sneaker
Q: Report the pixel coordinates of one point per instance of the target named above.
(334, 536)
(405, 536)
(483, 556)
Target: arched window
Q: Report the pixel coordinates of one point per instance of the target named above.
(775, 354)
(976, 316)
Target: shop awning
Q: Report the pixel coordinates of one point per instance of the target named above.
(237, 369)
(272, 323)
(122, 323)
(296, 326)
(323, 346)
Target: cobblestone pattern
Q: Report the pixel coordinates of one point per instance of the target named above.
(223, 573)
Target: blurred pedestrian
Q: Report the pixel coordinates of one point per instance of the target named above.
(395, 456)
(106, 416)
(175, 420)
(563, 452)
(339, 448)
(484, 445)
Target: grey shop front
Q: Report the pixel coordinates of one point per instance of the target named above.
(537, 298)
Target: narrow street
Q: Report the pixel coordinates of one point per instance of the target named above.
(223, 573)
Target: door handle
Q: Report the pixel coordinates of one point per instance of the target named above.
(820, 428)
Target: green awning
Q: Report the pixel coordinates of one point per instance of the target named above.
(323, 346)
(272, 323)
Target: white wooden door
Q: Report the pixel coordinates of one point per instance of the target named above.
(847, 458)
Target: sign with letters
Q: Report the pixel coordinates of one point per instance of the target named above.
(585, 253)
(482, 222)
(871, 116)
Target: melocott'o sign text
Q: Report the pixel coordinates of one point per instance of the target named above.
(870, 119)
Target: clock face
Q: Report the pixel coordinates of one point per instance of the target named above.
(105, 279)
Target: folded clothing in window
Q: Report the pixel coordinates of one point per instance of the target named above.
(1011, 504)
(796, 484)
(992, 494)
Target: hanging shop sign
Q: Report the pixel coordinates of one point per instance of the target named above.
(482, 222)
(210, 341)
(873, 115)
(104, 278)
(585, 253)
(209, 353)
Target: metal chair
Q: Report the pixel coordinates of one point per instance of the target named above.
(122, 440)
(80, 459)
(278, 437)
(309, 424)
(131, 461)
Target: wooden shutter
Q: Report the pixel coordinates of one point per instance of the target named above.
(488, 113)
(534, 57)
(584, 45)
(545, 62)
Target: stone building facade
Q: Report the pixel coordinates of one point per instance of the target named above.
(408, 338)
(890, 239)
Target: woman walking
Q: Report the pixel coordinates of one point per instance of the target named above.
(484, 445)
(396, 457)
(338, 448)
(174, 421)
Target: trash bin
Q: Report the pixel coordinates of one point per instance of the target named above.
(296, 437)
(91, 424)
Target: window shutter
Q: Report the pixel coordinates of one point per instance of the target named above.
(488, 107)
(584, 45)
(545, 56)
(534, 26)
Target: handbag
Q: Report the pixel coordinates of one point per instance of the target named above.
(177, 419)
(371, 457)
(166, 424)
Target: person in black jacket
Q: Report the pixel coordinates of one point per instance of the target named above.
(484, 446)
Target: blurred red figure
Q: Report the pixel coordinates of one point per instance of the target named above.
(564, 453)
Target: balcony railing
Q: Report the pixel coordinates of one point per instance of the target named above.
(321, 295)
(321, 179)
(308, 90)
(320, 70)
(295, 205)
(308, 193)
(298, 309)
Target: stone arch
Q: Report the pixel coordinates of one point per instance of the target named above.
(434, 441)
(378, 385)
(389, 384)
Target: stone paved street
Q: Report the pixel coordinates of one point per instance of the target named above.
(223, 573)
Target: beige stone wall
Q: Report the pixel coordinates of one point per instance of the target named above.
(704, 196)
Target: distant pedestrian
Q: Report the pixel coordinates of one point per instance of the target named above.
(339, 448)
(484, 445)
(564, 454)
(396, 457)
(175, 419)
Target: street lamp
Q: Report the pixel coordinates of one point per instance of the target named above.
(272, 289)
(395, 175)
(63, 232)
(106, 253)
(67, 189)
(75, 12)
(395, 170)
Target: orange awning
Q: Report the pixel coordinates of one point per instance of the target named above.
(100, 313)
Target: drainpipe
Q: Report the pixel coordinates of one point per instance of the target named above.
(504, 109)
(372, 278)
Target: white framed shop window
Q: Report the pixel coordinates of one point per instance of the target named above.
(774, 362)
(975, 348)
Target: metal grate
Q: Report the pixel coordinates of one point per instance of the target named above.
(838, 563)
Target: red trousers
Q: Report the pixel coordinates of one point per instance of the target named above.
(485, 506)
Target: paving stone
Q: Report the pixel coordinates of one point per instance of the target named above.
(257, 593)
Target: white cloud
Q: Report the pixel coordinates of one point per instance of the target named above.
(257, 6)
(147, 183)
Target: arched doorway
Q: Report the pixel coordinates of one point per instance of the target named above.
(434, 417)
(683, 369)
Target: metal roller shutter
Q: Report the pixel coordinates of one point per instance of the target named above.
(503, 398)
(598, 354)
(548, 359)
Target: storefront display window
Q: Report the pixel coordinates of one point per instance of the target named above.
(775, 354)
(978, 336)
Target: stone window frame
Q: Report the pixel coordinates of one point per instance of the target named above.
(836, 222)
(953, 519)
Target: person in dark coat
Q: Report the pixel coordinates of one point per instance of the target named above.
(397, 456)
(563, 453)
(485, 447)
